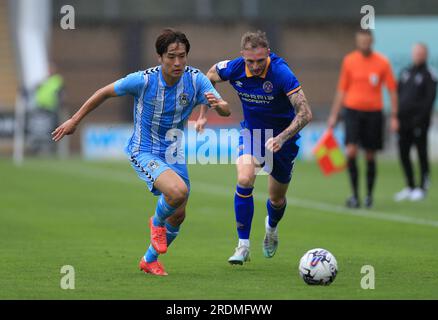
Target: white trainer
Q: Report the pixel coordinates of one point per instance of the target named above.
(405, 194)
(417, 194)
(270, 242)
(240, 256)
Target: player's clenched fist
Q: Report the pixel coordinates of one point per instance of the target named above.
(274, 144)
(66, 128)
(219, 105)
(212, 100)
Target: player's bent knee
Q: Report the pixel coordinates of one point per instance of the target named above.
(245, 181)
(277, 202)
(177, 195)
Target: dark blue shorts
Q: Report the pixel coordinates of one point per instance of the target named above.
(280, 164)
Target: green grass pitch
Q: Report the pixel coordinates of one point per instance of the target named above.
(93, 216)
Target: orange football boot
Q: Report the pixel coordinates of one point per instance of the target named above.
(158, 237)
(154, 268)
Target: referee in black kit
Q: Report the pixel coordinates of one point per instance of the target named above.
(417, 91)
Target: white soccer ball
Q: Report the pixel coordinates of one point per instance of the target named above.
(318, 267)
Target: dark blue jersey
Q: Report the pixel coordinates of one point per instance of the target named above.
(264, 98)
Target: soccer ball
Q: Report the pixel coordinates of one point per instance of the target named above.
(318, 267)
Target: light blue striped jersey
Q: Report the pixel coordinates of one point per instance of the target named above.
(159, 108)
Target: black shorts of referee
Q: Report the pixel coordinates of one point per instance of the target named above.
(364, 128)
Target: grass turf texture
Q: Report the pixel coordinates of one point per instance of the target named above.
(94, 216)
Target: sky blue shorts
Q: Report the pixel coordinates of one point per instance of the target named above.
(150, 166)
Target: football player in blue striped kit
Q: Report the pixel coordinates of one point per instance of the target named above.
(164, 98)
(273, 104)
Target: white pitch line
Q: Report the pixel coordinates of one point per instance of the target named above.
(224, 191)
(320, 206)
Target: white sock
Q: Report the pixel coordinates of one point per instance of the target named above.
(268, 227)
(243, 242)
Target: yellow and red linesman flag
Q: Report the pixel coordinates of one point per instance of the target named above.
(330, 157)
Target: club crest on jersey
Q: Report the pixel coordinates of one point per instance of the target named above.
(268, 86)
(183, 99)
(153, 165)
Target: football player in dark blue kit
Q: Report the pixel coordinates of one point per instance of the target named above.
(275, 109)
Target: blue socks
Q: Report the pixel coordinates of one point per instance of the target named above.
(244, 210)
(172, 232)
(151, 255)
(275, 214)
(162, 212)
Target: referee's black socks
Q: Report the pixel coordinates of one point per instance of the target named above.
(352, 169)
(371, 176)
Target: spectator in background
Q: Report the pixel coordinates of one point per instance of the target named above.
(359, 91)
(45, 115)
(48, 92)
(417, 91)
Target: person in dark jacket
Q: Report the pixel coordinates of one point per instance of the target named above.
(417, 91)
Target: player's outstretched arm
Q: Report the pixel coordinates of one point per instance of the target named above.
(213, 76)
(69, 126)
(303, 115)
(224, 111)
